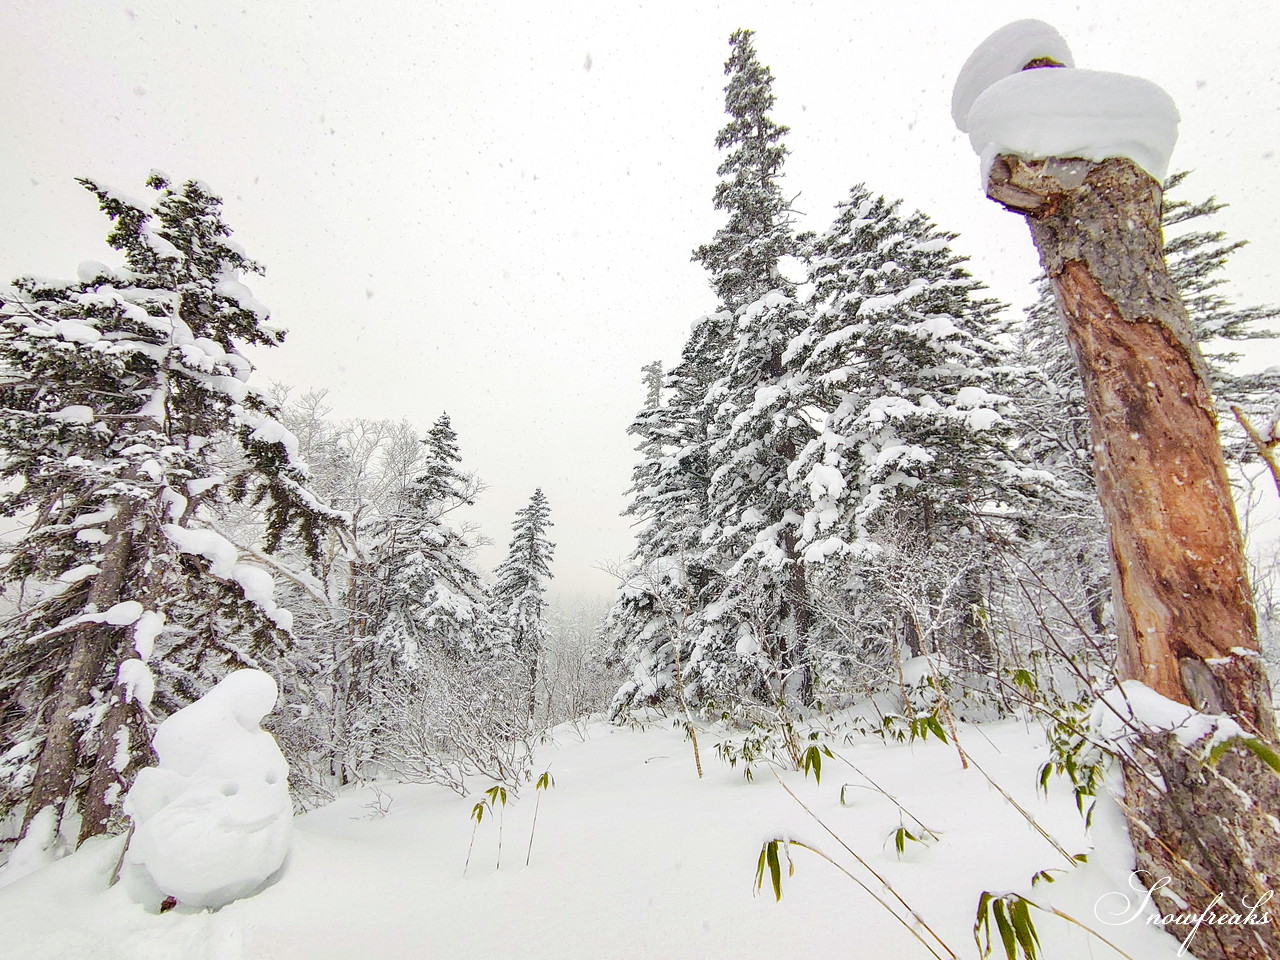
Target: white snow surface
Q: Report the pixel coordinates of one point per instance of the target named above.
(122, 614)
(77, 331)
(634, 857)
(76, 413)
(39, 848)
(90, 270)
(145, 631)
(214, 547)
(1005, 52)
(1067, 113)
(212, 821)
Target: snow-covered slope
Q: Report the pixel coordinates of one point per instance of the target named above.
(633, 857)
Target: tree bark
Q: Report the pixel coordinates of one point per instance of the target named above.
(109, 779)
(1194, 825)
(55, 776)
(1184, 611)
(1185, 615)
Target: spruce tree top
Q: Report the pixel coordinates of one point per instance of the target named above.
(440, 482)
(530, 554)
(743, 257)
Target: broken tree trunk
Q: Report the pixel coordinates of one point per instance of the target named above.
(1184, 612)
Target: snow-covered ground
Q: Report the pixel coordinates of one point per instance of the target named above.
(633, 856)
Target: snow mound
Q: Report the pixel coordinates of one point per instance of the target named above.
(40, 847)
(212, 821)
(1088, 114)
(1005, 52)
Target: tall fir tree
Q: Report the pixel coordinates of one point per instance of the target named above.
(714, 594)
(654, 619)
(758, 624)
(426, 595)
(755, 618)
(126, 421)
(519, 587)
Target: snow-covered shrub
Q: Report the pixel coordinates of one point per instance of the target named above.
(578, 675)
(446, 720)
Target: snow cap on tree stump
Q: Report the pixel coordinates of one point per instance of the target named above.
(1068, 113)
(1004, 53)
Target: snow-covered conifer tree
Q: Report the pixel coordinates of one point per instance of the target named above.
(719, 526)
(652, 622)
(758, 624)
(743, 257)
(755, 613)
(126, 420)
(426, 594)
(901, 367)
(519, 588)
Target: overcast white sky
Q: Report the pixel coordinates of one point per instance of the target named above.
(488, 208)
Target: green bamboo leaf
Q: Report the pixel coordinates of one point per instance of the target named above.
(775, 868)
(812, 760)
(1046, 771)
(936, 726)
(1025, 928)
(1005, 928)
(981, 925)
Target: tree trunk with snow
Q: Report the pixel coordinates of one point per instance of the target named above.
(1184, 611)
(119, 758)
(55, 777)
